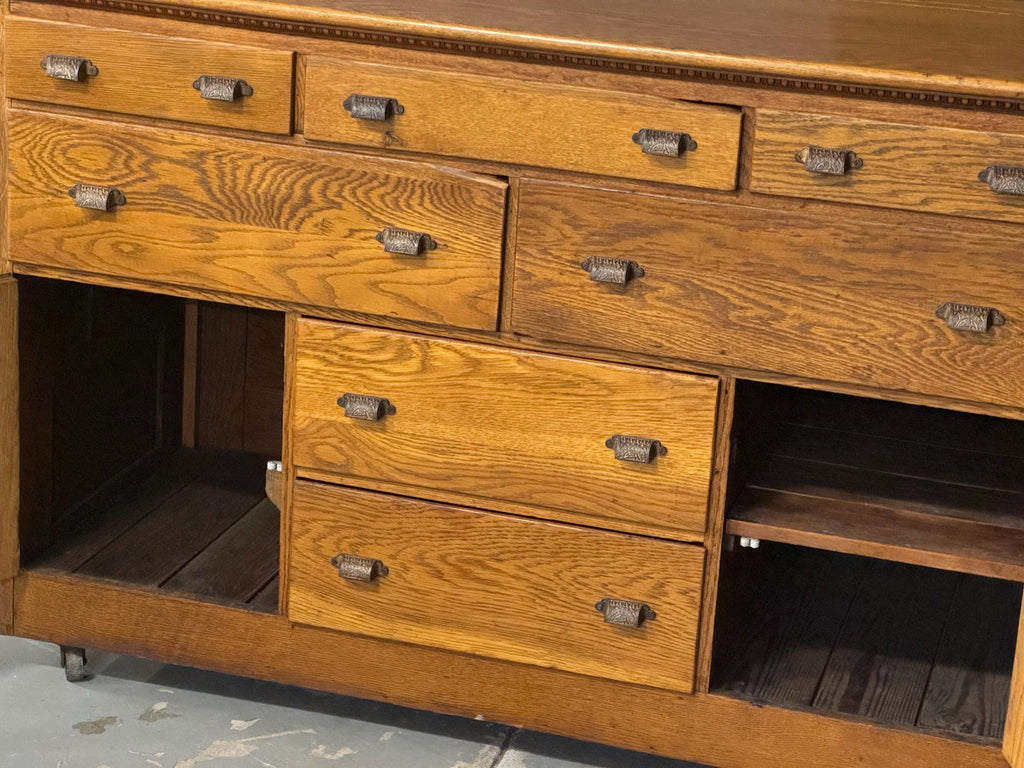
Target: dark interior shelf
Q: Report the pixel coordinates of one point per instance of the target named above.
(899, 644)
(198, 524)
(904, 483)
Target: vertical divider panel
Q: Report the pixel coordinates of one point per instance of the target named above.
(291, 323)
(9, 450)
(1013, 733)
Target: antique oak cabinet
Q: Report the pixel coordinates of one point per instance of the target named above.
(650, 373)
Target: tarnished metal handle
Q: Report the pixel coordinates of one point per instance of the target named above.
(372, 107)
(1004, 179)
(967, 317)
(96, 198)
(366, 407)
(625, 613)
(405, 241)
(618, 271)
(664, 143)
(641, 450)
(355, 568)
(831, 162)
(216, 88)
(68, 67)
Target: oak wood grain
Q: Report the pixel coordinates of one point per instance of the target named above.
(1013, 731)
(521, 122)
(150, 75)
(142, 623)
(251, 219)
(497, 423)
(496, 586)
(844, 300)
(6, 606)
(965, 48)
(919, 167)
(9, 427)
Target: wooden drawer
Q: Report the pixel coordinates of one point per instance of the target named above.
(836, 300)
(494, 585)
(254, 219)
(150, 75)
(904, 166)
(496, 425)
(513, 121)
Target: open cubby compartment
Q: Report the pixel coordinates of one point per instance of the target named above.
(919, 485)
(147, 426)
(900, 645)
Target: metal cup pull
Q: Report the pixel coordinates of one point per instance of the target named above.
(372, 107)
(68, 67)
(96, 198)
(831, 162)
(625, 613)
(664, 143)
(217, 88)
(640, 450)
(618, 271)
(405, 241)
(366, 407)
(1003, 179)
(355, 568)
(967, 317)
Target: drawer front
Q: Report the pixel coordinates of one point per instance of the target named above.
(835, 300)
(494, 585)
(259, 220)
(497, 424)
(900, 166)
(512, 121)
(150, 75)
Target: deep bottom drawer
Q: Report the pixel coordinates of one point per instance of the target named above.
(494, 585)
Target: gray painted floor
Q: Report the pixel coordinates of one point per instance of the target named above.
(141, 714)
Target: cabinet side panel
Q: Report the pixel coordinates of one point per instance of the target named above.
(9, 459)
(1013, 733)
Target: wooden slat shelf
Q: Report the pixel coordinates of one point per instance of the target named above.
(198, 524)
(907, 646)
(837, 474)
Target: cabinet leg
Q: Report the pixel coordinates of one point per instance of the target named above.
(73, 660)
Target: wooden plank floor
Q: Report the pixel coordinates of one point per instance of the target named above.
(905, 645)
(199, 525)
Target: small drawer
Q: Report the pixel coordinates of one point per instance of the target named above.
(940, 170)
(323, 229)
(606, 445)
(839, 300)
(150, 75)
(495, 585)
(514, 121)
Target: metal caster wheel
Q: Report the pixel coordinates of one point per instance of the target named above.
(73, 660)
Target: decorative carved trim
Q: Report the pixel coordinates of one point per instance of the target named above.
(373, 37)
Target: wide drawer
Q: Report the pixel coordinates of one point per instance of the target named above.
(515, 121)
(255, 219)
(494, 585)
(498, 425)
(790, 293)
(150, 75)
(896, 166)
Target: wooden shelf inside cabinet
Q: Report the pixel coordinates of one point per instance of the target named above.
(938, 497)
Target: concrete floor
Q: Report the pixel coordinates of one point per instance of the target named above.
(141, 714)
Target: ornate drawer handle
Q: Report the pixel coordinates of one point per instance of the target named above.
(618, 271)
(68, 67)
(1004, 179)
(405, 241)
(366, 407)
(625, 613)
(832, 162)
(372, 107)
(217, 88)
(355, 568)
(96, 198)
(664, 143)
(967, 317)
(641, 450)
